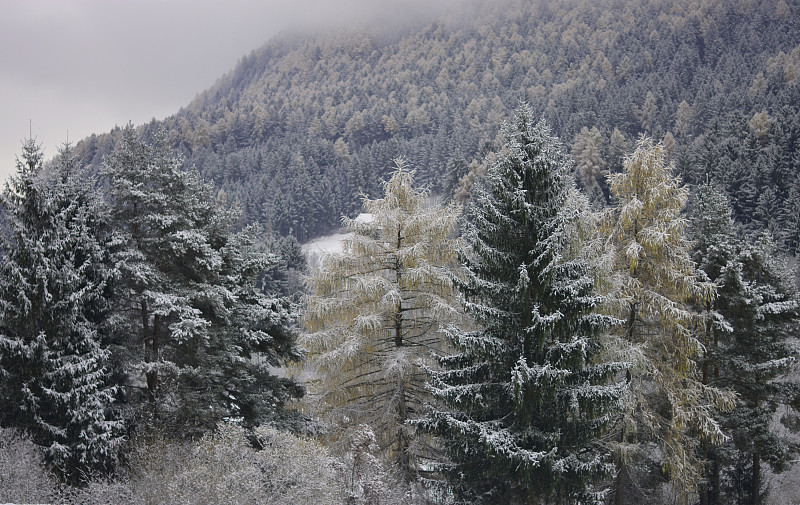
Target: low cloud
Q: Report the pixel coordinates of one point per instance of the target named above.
(84, 66)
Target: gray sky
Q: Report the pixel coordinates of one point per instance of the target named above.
(84, 66)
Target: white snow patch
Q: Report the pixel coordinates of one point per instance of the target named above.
(320, 247)
(326, 244)
(317, 248)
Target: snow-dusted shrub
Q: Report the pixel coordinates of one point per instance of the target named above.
(23, 477)
(100, 492)
(365, 473)
(225, 468)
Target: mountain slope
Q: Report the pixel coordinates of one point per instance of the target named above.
(305, 124)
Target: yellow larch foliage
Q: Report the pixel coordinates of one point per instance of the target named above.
(654, 286)
(375, 310)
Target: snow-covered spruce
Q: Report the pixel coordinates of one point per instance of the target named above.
(53, 279)
(200, 342)
(752, 323)
(522, 403)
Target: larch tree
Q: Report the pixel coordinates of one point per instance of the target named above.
(374, 315)
(522, 404)
(53, 283)
(669, 408)
(195, 335)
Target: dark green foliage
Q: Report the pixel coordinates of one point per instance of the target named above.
(763, 309)
(522, 404)
(198, 340)
(758, 173)
(53, 285)
(755, 316)
(284, 278)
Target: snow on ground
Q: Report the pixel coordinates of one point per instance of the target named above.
(326, 244)
(317, 248)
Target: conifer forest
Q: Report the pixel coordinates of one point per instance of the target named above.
(564, 271)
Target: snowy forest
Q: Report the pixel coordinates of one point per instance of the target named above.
(568, 271)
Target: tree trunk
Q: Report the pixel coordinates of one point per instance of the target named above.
(620, 482)
(756, 496)
(151, 353)
(703, 493)
(713, 479)
(709, 491)
(402, 410)
(402, 441)
(622, 477)
(632, 322)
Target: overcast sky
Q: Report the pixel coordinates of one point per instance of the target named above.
(84, 66)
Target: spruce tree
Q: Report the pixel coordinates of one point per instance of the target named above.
(53, 285)
(196, 336)
(755, 318)
(656, 289)
(714, 251)
(374, 314)
(756, 358)
(522, 404)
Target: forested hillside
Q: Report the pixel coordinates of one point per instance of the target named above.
(306, 123)
(574, 279)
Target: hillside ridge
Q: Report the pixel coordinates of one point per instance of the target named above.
(306, 124)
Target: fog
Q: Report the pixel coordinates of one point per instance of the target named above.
(71, 68)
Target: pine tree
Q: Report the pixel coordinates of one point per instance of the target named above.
(196, 335)
(656, 287)
(755, 317)
(714, 251)
(763, 310)
(53, 284)
(375, 311)
(522, 404)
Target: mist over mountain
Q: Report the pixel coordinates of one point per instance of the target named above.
(309, 122)
(156, 348)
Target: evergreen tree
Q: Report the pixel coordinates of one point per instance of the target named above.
(714, 251)
(522, 404)
(763, 310)
(457, 167)
(755, 317)
(192, 327)
(589, 164)
(53, 285)
(375, 311)
(669, 408)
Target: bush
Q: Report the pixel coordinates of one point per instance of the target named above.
(23, 476)
(232, 466)
(224, 468)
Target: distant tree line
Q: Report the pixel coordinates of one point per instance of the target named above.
(514, 325)
(305, 125)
